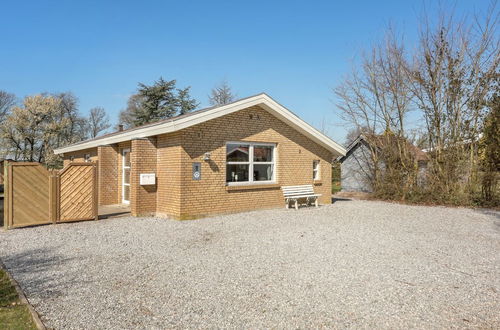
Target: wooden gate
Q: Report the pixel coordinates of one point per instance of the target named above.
(78, 192)
(34, 195)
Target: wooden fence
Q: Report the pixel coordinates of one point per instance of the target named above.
(35, 195)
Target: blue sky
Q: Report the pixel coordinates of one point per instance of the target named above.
(296, 51)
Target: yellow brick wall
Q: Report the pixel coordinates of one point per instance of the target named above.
(210, 195)
(107, 174)
(169, 174)
(143, 160)
(79, 156)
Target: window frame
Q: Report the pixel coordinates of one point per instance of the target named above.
(251, 163)
(316, 170)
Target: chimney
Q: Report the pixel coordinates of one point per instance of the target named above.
(120, 128)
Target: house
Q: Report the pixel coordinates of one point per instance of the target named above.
(229, 158)
(357, 164)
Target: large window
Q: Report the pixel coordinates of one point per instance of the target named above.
(250, 163)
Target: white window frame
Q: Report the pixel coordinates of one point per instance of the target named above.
(251, 162)
(316, 170)
(124, 201)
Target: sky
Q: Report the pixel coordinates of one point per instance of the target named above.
(295, 51)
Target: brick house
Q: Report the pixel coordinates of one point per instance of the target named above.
(222, 159)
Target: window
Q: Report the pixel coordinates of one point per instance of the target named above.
(249, 163)
(87, 157)
(316, 174)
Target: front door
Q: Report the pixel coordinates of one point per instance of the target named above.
(126, 176)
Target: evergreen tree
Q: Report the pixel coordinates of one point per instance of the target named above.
(156, 102)
(185, 102)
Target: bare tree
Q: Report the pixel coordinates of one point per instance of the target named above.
(7, 101)
(221, 94)
(376, 99)
(449, 80)
(354, 132)
(42, 123)
(127, 115)
(74, 129)
(377, 96)
(98, 121)
(452, 75)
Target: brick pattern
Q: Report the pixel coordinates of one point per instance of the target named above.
(143, 160)
(79, 156)
(169, 174)
(107, 174)
(210, 195)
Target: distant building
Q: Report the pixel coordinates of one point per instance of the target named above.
(357, 165)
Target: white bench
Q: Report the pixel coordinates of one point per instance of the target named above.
(300, 193)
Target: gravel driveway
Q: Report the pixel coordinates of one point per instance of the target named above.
(352, 264)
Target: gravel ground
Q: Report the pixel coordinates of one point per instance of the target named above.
(354, 264)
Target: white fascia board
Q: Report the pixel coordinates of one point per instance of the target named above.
(293, 120)
(163, 128)
(262, 100)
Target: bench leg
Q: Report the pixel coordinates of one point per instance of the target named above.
(316, 202)
(287, 203)
(297, 205)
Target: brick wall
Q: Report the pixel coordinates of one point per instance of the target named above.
(210, 195)
(107, 174)
(143, 160)
(169, 171)
(79, 156)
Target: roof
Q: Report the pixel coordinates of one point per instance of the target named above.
(379, 140)
(196, 117)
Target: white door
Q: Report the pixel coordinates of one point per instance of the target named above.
(126, 176)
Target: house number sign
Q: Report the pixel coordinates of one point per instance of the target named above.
(196, 171)
(147, 179)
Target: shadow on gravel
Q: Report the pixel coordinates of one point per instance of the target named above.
(489, 212)
(39, 272)
(338, 199)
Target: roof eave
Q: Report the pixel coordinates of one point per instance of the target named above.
(262, 100)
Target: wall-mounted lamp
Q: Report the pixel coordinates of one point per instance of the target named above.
(206, 156)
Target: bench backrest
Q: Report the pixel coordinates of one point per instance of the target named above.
(290, 191)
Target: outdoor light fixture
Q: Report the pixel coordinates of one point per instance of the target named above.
(206, 156)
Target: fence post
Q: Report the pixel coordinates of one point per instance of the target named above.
(58, 196)
(95, 187)
(53, 196)
(5, 194)
(8, 203)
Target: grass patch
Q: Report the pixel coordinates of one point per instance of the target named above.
(13, 314)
